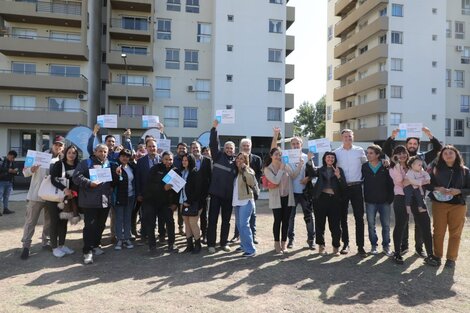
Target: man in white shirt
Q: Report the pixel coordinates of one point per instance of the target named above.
(350, 158)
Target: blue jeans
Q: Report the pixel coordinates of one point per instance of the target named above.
(5, 189)
(123, 219)
(242, 219)
(384, 212)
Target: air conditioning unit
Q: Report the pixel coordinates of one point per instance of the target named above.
(82, 97)
(468, 122)
(190, 88)
(459, 48)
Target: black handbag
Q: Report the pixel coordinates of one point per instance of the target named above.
(192, 210)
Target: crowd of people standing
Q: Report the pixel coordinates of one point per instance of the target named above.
(219, 181)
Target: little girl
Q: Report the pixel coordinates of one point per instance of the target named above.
(417, 177)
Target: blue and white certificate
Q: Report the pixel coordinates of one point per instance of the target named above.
(42, 159)
(177, 182)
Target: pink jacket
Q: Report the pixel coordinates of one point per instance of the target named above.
(398, 176)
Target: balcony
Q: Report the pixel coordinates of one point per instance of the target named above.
(369, 108)
(290, 44)
(355, 15)
(290, 16)
(62, 13)
(44, 115)
(137, 30)
(344, 6)
(132, 5)
(358, 86)
(290, 73)
(43, 82)
(289, 130)
(43, 47)
(289, 101)
(138, 62)
(381, 51)
(117, 90)
(366, 134)
(381, 24)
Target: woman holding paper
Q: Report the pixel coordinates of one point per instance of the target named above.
(281, 196)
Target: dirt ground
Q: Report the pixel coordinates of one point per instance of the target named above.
(302, 281)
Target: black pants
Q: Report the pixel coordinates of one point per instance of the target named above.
(218, 204)
(165, 214)
(418, 233)
(423, 221)
(180, 218)
(58, 229)
(328, 206)
(281, 220)
(150, 212)
(135, 212)
(353, 194)
(95, 222)
(412, 194)
(203, 218)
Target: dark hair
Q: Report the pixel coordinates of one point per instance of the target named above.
(376, 148)
(109, 136)
(125, 152)
(458, 164)
(191, 161)
(415, 138)
(181, 144)
(64, 158)
(13, 153)
(398, 149)
(412, 160)
(150, 139)
(165, 153)
(323, 159)
(268, 159)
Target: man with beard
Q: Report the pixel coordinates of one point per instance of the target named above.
(412, 145)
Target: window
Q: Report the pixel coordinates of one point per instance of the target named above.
(190, 117)
(275, 1)
(192, 6)
(274, 114)
(24, 33)
(23, 68)
(204, 32)
(361, 123)
(274, 84)
(434, 10)
(397, 10)
(135, 23)
(448, 78)
(458, 128)
(328, 112)
(329, 72)
(191, 60)
(132, 80)
(172, 59)
(466, 7)
(361, 75)
(382, 93)
(464, 103)
(434, 64)
(131, 110)
(59, 36)
(173, 5)
(447, 126)
(64, 70)
(448, 29)
(229, 78)
(171, 116)
(361, 99)
(465, 58)
(395, 118)
(396, 91)
(382, 66)
(64, 104)
(275, 26)
(23, 103)
(330, 32)
(459, 30)
(230, 18)
(275, 55)
(383, 12)
(203, 89)
(434, 37)
(397, 37)
(383, 39)
(363, 49)
(229, 48)
(381, 119)
(459, 79)
(433, 91)
(397, 64)
(163, 87)
(134, 50)
(163, 29)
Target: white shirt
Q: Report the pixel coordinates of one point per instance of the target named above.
(351, 160)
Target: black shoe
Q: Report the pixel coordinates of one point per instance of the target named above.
(361, 252)
(345, 249)
(172, 249)
(438, 260)
(431, 261)
(47, 247)
(311, 244)
(398, 259)
(24, 254)
(197, 246)
(6, 211)
(234, 239)
(152, 248)
(255, 241)
(450, 264)
(204, 240)
(421, 254)
(403, 251)
(189, 245)
(290, 244)
(161, 239)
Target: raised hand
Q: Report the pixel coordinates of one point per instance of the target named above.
(337, 172)
(96, 129)
(427, 132)
(395, 133)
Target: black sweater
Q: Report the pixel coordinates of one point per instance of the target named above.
(121, 187)
(338, 185)
(449, 178)
(154, 194)
(378, 187)
(56, 172)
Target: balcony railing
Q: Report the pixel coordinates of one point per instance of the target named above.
(131, 24)
(62, 7)
(33, 37)
(130, 83)
(131, 51)
(42, 73)
(40, 109)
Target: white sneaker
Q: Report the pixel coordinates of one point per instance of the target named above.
(67, 250)
(226, 248)
(211, 250)
(118, 245)
(88, 258)
(374, 251)
(58, 253)
(388, 251)
(98, 251)
(128, 244)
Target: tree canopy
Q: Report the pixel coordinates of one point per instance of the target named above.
(309, 121)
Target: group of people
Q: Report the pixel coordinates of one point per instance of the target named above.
(219, 181)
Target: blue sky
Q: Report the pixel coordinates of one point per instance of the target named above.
(309, 55)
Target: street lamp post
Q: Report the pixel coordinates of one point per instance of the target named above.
(124, 57)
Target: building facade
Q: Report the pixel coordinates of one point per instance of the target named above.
(62, 63)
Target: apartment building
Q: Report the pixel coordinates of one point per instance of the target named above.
(392, 62)
(179, 59)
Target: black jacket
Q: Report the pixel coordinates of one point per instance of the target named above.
(338, 185)
(449, 178)
(257, 165)
(205, 173)
(56, 172)
(121, 187)
(5, 165)
(194, 187)
(378, 187)
(427, 156)
(154, 194)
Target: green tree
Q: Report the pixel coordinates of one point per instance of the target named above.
(309, 121)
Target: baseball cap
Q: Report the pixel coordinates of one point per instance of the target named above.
(59, 140)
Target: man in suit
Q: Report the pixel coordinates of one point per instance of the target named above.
(204, 168)
(142, 170)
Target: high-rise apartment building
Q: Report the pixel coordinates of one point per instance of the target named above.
(392, 62)
(63, 62)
